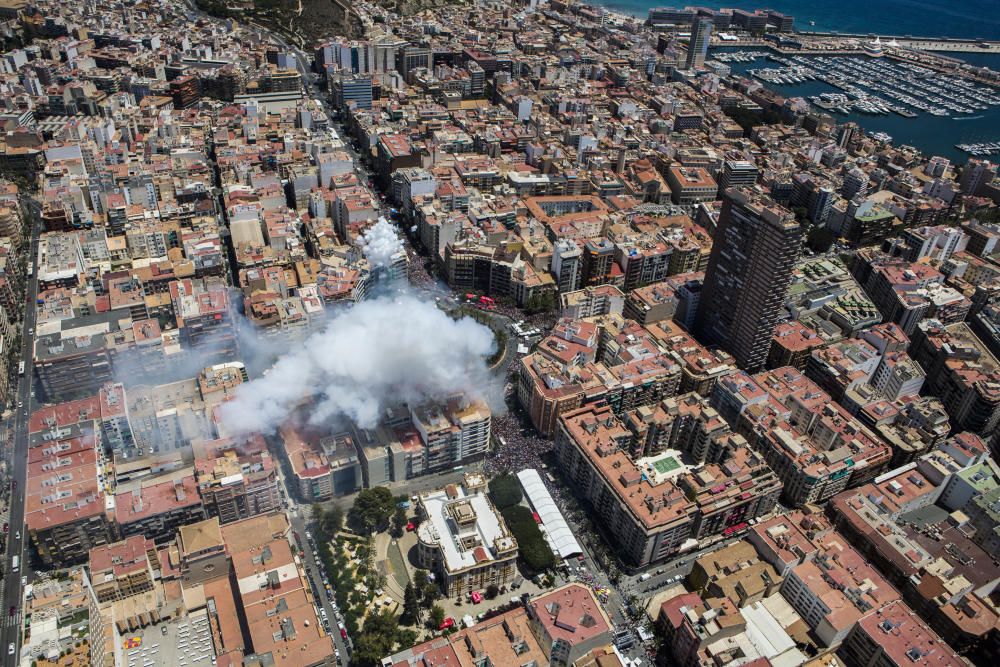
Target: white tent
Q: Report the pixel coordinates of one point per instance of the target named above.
(553, 524)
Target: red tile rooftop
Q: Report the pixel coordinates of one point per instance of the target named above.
(48, 502)
(306, 458)
(112, 398)
(396, 144)
(906, 639)
(121, 558)
(65, 414)
(796, 337)
(570, 614)
(161, 498)
(672, 607)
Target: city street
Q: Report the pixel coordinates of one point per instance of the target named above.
(17, 546)
(299, 517)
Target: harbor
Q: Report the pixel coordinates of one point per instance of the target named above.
(880, 86)
(941, 113)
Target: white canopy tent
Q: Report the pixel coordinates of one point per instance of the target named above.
(554, 525)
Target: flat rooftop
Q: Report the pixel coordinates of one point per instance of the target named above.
(457, 542)
(183, 642)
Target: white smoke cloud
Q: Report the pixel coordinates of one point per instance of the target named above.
(375, 354)
(381, 243)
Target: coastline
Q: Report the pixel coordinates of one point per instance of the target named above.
(901, 17)
(930, 134)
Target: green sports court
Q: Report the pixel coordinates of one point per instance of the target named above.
(666, 464)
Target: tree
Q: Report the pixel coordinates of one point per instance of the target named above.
(492, 591)
(505, 491)
(534, 550)
(411, 606)
(430, 594)
(371, 510)
(436, 618)
(376, 639)
(420, 580)
(819, 239)
(398, 521)
(333, 520)
(405, 638)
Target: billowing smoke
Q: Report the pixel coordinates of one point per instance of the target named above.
(381, 243)
(377, 353)
(381, 352)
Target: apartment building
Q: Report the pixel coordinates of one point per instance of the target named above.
(653, 506)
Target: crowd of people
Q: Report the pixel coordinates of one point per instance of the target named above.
(419, 276)
(516, 446)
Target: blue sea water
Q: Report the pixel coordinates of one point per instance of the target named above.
(935, 18)
(933, 135)
(979, 19)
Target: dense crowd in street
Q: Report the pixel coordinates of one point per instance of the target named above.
(517, 446)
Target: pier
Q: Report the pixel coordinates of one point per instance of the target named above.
(955, 44)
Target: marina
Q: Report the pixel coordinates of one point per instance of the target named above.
(899, 99)
(873, 86)
(981, 149)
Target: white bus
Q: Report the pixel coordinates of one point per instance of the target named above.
(15, 562)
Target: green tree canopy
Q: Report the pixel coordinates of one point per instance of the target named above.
(436, 617)
(411, 606)
(505, 491)
(376, 640)
(371, 510)
(533, 548)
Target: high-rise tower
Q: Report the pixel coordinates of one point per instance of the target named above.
(753, 254)
(701, 34)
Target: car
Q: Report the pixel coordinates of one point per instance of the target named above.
(12, 610)
(20, 404)
(163, 631)
(17, 535)
(447, 623)
(10, 648)
(24, 580)
(5, 526)
(343, 632)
